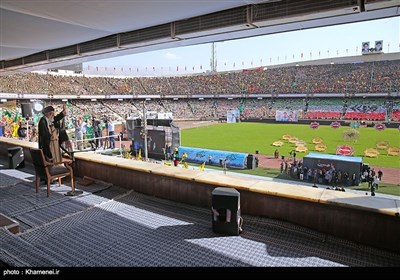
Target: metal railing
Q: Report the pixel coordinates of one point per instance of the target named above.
(106, 140)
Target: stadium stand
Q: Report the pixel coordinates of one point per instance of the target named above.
(368, 77)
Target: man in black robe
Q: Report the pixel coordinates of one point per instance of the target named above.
(45, 122)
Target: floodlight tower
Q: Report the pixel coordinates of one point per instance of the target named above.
(213, 62)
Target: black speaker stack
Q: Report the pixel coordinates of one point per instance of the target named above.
(251, 162)
(26, 110)
(226, 211)
(15, 157)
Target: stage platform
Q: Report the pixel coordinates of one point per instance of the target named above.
(373, 221)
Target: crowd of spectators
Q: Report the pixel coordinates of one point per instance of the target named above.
(334, 179)
(368, 77)
(250, 108)
(115, 111)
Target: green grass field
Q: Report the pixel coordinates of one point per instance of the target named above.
(249, 137)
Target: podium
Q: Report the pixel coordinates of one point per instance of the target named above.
(226, 211)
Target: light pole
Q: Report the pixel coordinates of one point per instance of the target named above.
(27, 128)
(145, 129)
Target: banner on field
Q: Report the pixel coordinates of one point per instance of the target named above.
(232, 116)
(214, 157)
(380, 126)
(286, 116)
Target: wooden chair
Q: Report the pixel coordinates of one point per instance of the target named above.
(49, 170)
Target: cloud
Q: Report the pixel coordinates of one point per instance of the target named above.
(170, 56)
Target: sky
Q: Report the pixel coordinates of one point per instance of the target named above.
(296, 46)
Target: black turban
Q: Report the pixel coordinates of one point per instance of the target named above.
(48, 109)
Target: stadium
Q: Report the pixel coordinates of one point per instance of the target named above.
(131, 193)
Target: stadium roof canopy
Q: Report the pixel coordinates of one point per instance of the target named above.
(40, 34)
